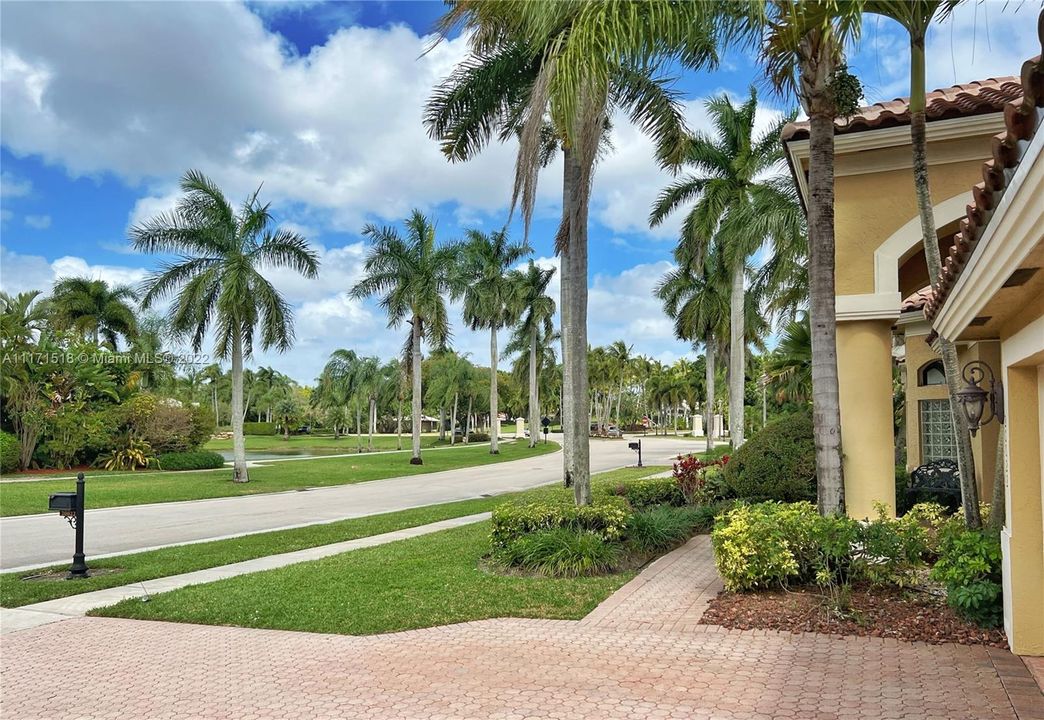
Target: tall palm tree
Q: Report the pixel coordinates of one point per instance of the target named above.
(554, 55)
(735, 168)
(486, 260)
(217, 280)
(620, 353)
(95, 310)
(916, 16)
(802, 45)
(411, 275)
(697, 295)
(535, 309)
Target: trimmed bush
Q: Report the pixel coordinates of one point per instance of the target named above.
(478, 437)
(607, 518)
(970, 567)
(778, 463)
(190, 460)
(647, 492)
(259, 428)
(562, 552)
(9, 451)
(660, 528)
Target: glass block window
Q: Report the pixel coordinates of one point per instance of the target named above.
(937, 438)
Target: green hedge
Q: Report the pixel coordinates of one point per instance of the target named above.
(9, 449)
(777, 463)
(190, 460)
(259, 428)
(648, 492)
(607, 518)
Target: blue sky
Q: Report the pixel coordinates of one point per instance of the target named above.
(104, 105)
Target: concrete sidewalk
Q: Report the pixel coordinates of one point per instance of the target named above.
(36, 540)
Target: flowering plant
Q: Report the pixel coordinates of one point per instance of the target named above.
(690, 472)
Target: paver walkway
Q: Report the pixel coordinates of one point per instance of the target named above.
(638, 656)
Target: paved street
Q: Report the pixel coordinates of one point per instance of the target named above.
(44, 539)
(641, 654)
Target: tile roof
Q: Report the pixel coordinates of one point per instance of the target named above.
(974, 98)
(917, 300)
(1022, 120)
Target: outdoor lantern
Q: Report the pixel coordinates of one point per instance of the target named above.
(974, 398)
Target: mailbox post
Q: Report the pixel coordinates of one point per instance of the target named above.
(71, 506)
(637, 447)
(545, 423)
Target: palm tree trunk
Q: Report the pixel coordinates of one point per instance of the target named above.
(577, 433)
(737, 342)
(534, 389)
(217, 420)
(933, 259)
(566, 311)
(453, 421)
(826, 407)
(467, 420)
(373, 421)
(708, 405)
(494, 449)
(997, 508)
(239, 468)
(442, 423)
(416, 357)
(358, 426)
(398, 426)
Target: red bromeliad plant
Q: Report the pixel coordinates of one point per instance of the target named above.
(690, 472)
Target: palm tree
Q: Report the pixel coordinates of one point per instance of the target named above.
(734, 170)
(620, 353)
(535, 309)
(789, 367)
(487, 257)
(803, 48)
(367, 382)
(541, 68)
(411, 275)
(916, 16)
(95, 310)
(697, 295)
(217, 279)
(22, 317)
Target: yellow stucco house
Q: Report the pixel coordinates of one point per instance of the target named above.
(987, 181)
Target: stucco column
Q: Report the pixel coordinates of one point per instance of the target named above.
(864, 365)
(1022, 539)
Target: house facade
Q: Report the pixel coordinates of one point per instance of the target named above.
(987, 183)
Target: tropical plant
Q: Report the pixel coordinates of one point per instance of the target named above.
(733, 185)
(802, 44)
(218, 282)
(94, 310)
(22, 317)
(916, 16)
(134, 455)
(789, 366)
(549, 69)
(486, 260)
(412, 275)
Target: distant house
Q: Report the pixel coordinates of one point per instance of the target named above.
(987, 182)
(428, 423)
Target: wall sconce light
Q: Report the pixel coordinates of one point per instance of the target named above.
(974, 398)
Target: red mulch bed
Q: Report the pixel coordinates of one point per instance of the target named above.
(872, 612)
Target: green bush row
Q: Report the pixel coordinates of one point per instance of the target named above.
(607, 518)
(9, 450)
(969, 566)
(190, 460)
(259, 428)
(648, 492)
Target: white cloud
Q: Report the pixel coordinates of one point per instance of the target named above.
(13, 186)
(38, 222)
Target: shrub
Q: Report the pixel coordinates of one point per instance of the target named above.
(778, 463)
(478, 437)
(134, 455)
(562, 552)
(169, 428)
(202, 426)
(754, 545)
(259, 428)
(607, 518)
(9, 452)
(647, 492)
(660, 528)
(891, 551)
(970, 567)
(692, 474)
(190, 460)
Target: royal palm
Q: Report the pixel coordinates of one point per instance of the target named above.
(411, 275)
(217, 282)
(535, 308)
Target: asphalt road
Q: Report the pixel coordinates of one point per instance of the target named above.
(34, 540)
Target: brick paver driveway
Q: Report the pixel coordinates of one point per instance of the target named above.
(640, 655)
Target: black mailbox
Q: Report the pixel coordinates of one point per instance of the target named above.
(633, 446)
(63, 502)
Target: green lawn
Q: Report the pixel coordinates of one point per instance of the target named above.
(150, 487)
(154, 564)
(323, 443)
(421, 582)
